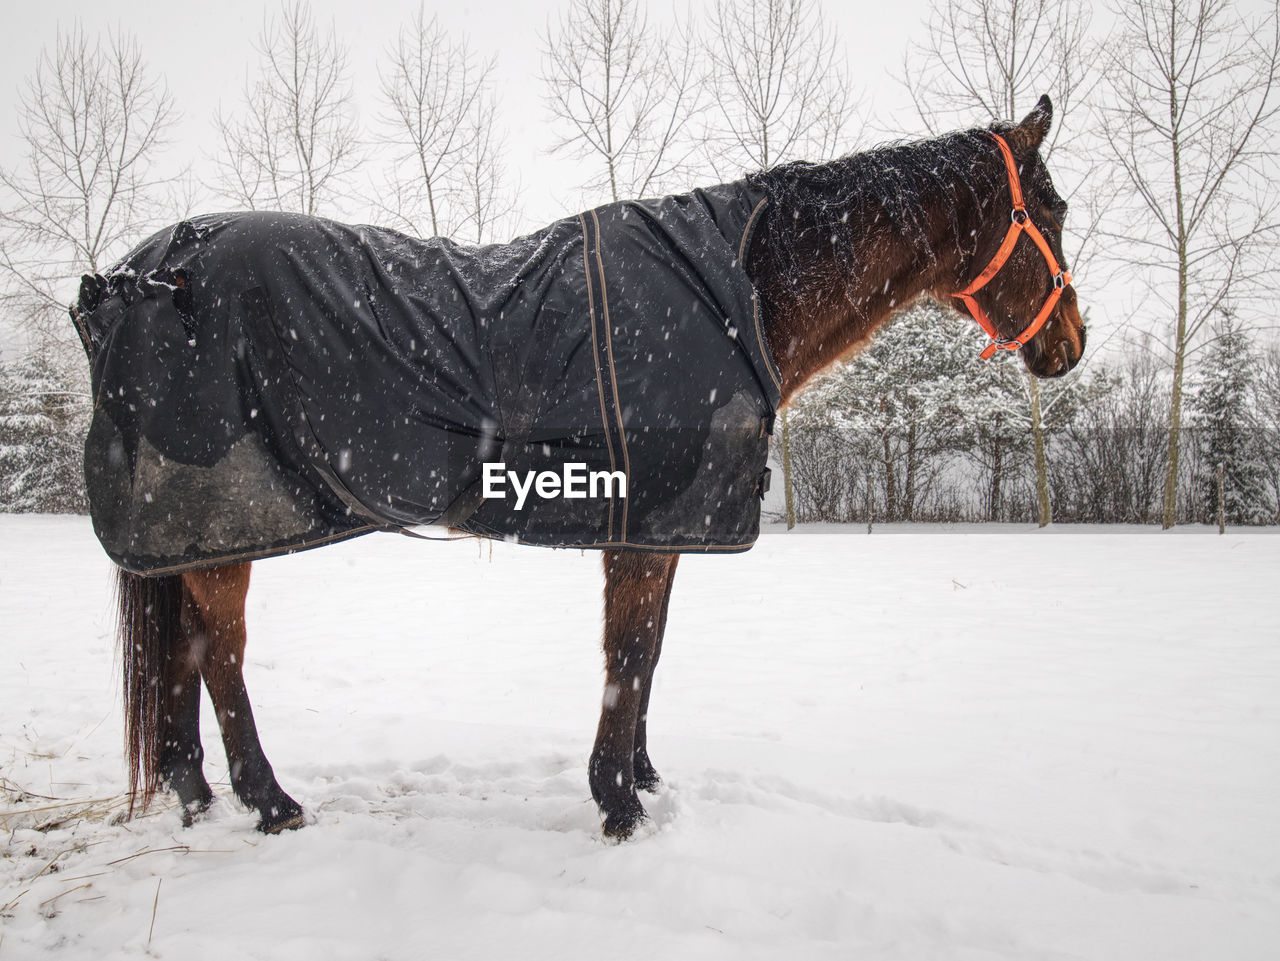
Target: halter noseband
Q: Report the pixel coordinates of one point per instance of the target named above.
(1020, 222)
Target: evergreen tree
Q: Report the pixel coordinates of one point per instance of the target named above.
(43, 420)
(998, 438)
(1224, 429)
(893, 411)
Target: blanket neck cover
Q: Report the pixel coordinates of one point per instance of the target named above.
(269, 382)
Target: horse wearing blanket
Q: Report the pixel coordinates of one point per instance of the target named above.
(265, 383)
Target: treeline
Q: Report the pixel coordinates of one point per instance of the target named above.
(645, 106)
(916, 428)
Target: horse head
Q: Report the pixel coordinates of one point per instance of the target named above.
(1016, 285)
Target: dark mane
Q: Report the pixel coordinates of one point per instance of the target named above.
(891, 187)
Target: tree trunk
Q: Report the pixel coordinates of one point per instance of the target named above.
(1222, 511)
(431, 204)
(787, 490)
(1044, 508)
(1169, 513)
(909, 488)
(997, 474)
(890, 488)
(870, 501)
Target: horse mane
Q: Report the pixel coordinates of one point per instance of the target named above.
(896, 187)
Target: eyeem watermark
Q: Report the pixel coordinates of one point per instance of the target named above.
(573, 481)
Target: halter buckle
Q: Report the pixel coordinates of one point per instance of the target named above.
(999, 345)
(1019, 215)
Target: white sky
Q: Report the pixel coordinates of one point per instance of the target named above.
(204, 51)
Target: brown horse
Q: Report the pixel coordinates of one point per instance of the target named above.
(838, 248)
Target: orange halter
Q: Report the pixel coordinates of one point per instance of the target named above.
(1021, 222)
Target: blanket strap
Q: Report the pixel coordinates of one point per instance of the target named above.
(764, 482)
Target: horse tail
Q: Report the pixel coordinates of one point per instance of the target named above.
(149, 613)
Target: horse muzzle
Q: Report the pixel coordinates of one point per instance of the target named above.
(1058, 347)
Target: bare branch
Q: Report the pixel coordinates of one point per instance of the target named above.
(488, 208)
(1192, 120)
(92, 125)
(294, 142)
(431, 94)
(622, 98)
(782, 90)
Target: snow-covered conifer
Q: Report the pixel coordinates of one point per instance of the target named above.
(1225, 427)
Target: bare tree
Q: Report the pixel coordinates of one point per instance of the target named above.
(294, 142)
(781, 92)
(997, 57)
(92, 123)
(781, 87)
(625, 98)
(486, 206)
(1191, 123)
(434, 122)
(1109, 457)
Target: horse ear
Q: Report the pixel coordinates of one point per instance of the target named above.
(1035, 126)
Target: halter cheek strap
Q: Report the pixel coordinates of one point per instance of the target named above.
(1020, 224)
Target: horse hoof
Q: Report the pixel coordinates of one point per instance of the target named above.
(620, 825)
(282, 825)
(191, 813)
(279, 820)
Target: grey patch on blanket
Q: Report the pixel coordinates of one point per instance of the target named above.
(241, 507)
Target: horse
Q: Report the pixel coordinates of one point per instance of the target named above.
(836, 248)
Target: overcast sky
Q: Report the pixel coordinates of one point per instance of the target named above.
(204, 50)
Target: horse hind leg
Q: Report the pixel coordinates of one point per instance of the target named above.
(213, 617)
(646, 776)
(182, 755)
(161, 693)
(636, 589)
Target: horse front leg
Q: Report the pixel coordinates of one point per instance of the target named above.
(213, 617)
(637, 587)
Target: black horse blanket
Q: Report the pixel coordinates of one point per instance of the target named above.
(268, 382)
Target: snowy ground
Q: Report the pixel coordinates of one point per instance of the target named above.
(924, 744)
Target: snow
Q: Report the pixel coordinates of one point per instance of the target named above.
(926, 743)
